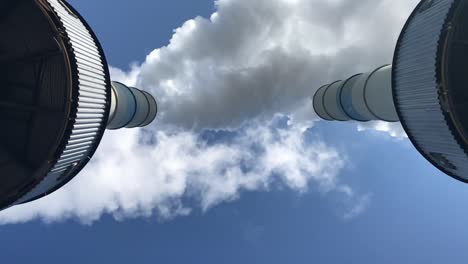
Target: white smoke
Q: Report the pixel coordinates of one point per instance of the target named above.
(253, 59)
(392, 129)
(135, 175)
(235, 72)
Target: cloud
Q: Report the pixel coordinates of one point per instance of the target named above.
(360, 206)
(393, 129)
(135, 174)
(253, 59)
(233, 73)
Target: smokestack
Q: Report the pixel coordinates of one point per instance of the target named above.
(361, 97)
(131, 107)
(57, 98)
(425, 89)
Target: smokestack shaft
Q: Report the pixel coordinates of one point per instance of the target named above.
(362, 97)
(130, 107)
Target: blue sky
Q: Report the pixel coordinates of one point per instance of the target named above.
(415, 214)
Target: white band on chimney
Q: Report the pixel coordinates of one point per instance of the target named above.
(378, 94)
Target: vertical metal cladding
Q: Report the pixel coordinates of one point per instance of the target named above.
(91, 100)
(417, 79)
(362, 97)
(131, 107)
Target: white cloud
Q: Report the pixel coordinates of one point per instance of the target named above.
(393, 129)
(360, 206)
(234, 71)
(257, 58)
(130, 178)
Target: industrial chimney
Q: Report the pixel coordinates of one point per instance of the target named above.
(56, 99)
(425, 88)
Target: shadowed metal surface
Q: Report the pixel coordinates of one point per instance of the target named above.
(56, 99)
(420, 86)
(90, 97)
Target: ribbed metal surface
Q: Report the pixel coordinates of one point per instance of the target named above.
(416, 88)
(89, 118)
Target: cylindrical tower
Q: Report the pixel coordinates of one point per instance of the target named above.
(131, 107)
(57, 98)
(361, 97)
(425, 89)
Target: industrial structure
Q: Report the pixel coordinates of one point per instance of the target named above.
(56, 99)
(425, 88)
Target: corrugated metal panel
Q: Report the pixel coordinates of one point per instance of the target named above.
(416, 89)
(91, 105)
